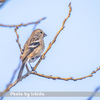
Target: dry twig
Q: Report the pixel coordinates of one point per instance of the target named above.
(49, 77)
(51, 43)
(19, 25)
(66, 79)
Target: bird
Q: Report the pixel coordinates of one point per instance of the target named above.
(32, 50)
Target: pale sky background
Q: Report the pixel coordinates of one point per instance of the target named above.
(76, 52)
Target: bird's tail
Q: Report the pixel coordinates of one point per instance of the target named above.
(21, 70)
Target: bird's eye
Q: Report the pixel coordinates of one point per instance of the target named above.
(41, 32)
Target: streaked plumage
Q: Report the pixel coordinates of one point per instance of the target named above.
(32, 49)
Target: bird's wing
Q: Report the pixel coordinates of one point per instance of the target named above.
(31, 45)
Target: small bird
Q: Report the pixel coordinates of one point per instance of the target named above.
(32, 50)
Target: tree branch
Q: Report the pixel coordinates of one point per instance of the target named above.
(51, 43)
(19, 25)
(46, 76)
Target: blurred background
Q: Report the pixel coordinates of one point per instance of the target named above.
(76, 52)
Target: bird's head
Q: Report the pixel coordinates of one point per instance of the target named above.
(39, 33)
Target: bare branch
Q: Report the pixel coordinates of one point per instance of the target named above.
(51, 43)
(66, 79)
(17, 40)
(47, 76)
(23, 24)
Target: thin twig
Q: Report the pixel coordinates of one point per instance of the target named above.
(17, 40)
(66, 79)
(19, 25)
(51, 43)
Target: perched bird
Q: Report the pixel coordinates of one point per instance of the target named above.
(32, 49)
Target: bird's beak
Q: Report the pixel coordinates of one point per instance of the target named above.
(44, 35)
